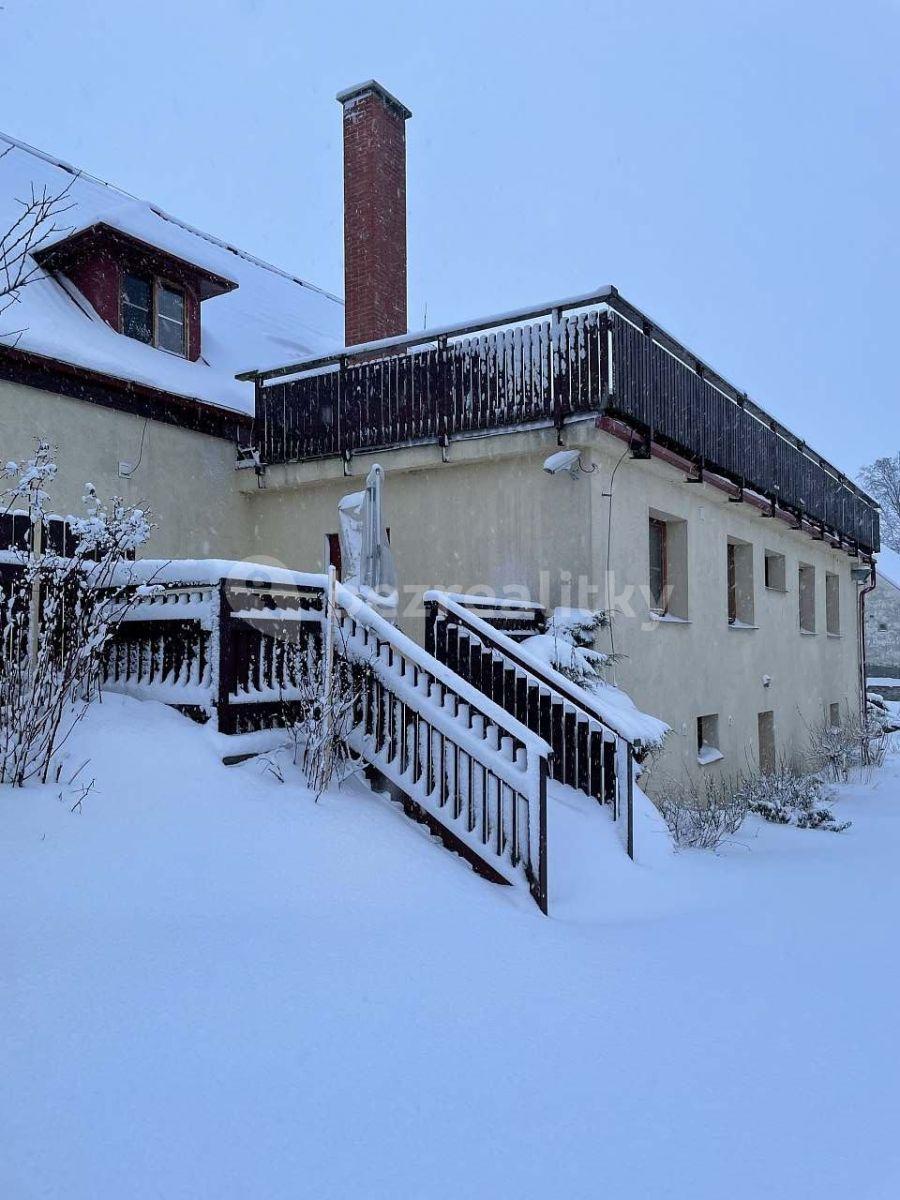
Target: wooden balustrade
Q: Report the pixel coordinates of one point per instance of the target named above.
(595, 354)
(587, 752)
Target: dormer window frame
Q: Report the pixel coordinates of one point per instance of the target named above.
(157, 284)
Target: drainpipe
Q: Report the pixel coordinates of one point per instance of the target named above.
(861, 637)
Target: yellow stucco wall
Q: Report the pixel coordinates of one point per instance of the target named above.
(492, 517)
(185, 478)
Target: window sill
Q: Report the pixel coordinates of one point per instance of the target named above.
(709, 754)
(777, 591)
(741, 625)
(837, 636)
(669, 619)
(808, 633)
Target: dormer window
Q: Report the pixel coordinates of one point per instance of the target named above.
(153, 312)
(141, 291)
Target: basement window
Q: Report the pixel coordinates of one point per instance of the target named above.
(667, 577)
(740, 584)
(776, 578)
(807, 580)
(708, 739)
(832, 603)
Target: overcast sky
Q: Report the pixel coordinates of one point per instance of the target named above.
(731, 167)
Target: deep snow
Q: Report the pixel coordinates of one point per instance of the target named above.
(214, 987)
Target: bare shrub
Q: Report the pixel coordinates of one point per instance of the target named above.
(57, 614)
(858, 743)
(702, 815)
(323, 713)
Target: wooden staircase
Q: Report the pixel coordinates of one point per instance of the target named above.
(464, 732)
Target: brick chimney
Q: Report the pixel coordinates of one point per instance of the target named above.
(374, 213)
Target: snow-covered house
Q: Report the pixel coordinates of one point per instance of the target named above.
(242, 403)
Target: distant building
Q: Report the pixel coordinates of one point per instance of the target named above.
(883, 630)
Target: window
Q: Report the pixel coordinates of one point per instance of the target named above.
(668, 566)
(659, 600)
(137, 307)
(153, 312)
(765, 728)
(708, 739)
(834, 716)
(832, 603)
(882, 627)
(740, 583)
(776, 580)
(807, 581)
(170, 319)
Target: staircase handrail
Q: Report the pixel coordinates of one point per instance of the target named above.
(542, 672)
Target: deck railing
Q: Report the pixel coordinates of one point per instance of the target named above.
(591, 355)
(230, 650)
(588, 752)
(234, 650)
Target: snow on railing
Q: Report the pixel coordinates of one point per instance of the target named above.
(467, 765)
(593, 745)
(546, 365)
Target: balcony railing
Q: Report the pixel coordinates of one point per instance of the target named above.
(593, 354)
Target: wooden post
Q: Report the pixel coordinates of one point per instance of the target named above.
(539, 879)
(431, 615)
(225, 668)
(556, 373)
(330, 597)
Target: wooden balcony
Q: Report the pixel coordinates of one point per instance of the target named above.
(594, 354)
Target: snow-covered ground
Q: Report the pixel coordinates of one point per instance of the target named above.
(214, 987)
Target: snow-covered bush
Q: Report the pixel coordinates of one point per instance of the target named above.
(701, 815)
(789, 797)
(881, 719)
(569, 644)
(57, 615)
(568, 647)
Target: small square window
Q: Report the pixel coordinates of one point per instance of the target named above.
(153, 312)
(708, 739)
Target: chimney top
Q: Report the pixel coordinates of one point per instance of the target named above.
(373, 87)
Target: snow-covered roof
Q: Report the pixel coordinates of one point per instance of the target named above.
(269, 315)
(887, 565)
